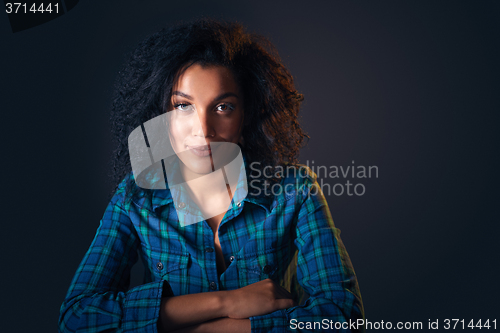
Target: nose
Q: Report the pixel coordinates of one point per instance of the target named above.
(203, 126)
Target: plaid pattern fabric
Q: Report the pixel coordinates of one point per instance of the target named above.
(287, 235)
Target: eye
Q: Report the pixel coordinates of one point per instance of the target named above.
(183, 107)
(225, 107)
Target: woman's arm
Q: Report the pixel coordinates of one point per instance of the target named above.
(259, 298)
(99, 298)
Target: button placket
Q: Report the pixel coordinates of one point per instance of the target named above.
(211, 262)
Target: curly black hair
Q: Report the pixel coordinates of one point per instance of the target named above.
(272, 134)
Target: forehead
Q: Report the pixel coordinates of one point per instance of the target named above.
(206, 81)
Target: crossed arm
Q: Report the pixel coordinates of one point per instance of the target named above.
(222, 310)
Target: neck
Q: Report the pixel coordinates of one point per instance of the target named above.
(209, 191)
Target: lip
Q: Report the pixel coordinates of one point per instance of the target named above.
(201, 151)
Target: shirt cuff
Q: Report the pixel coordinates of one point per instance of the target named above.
(274, 322)
(141, 308)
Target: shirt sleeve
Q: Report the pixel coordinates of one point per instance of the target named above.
(325, 272)
(98, 299)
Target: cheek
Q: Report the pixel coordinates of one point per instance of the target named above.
(178, 132)
(231, 129)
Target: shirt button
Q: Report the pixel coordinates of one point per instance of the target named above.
(209, 250)
(267, 269)
(213, 285)
(238, 204)
(159, 265)
(231, 258)
(181, 205)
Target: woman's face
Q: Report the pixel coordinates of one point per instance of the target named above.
(205, 116)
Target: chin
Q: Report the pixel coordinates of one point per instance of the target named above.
(197, 165)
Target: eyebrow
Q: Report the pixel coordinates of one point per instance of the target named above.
(218, 98)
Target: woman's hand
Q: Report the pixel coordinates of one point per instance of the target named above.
(257, 299)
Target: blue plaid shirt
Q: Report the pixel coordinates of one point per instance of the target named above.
(281, 230)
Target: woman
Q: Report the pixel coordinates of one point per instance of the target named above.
(231, 231)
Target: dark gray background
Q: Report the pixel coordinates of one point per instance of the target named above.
(408, 86)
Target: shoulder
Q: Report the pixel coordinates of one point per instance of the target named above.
(128, 191)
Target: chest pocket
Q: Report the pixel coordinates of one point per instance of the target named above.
(256, 267)
(171, 266)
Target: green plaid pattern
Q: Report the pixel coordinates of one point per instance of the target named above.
(287, 235)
